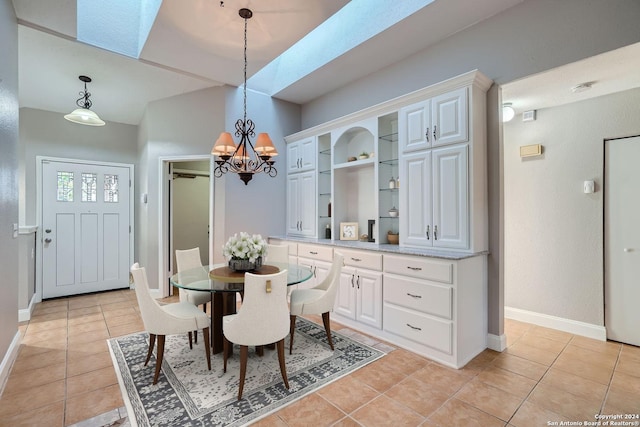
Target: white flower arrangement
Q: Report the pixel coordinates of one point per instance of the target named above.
(243, 246)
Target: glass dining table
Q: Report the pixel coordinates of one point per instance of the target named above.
(224, 284)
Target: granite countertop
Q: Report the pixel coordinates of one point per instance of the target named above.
(383, 247)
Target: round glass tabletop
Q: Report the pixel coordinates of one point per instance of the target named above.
(217, 277)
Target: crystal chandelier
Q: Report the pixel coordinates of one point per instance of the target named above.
(245, 159)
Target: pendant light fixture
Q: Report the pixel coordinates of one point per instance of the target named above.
(245, 159)
(84, 115)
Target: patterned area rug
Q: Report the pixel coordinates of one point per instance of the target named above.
(188, 394)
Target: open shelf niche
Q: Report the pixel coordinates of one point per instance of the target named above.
(355, 188)
(388, 183)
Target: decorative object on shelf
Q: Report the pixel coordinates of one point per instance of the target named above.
(393, 212)
(83, 115)
(329, 209)
(372, 155)
(371, 224)
(245, 159)
(398, 182)
(393, 238)
(245, 252)
(348, 231)
(364, 238)
(327, 232)
(352, 159)
(392, 183)
(364, 155)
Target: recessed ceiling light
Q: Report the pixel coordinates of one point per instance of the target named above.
(582, 87)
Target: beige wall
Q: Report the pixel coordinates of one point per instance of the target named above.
(553, 231)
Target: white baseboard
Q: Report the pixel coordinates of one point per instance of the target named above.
(25, 313)
(588, 330)
(497, 342)
(9, 357)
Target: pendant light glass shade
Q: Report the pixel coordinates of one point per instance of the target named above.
(84, 116)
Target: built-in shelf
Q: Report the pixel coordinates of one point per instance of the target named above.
(392, 137)
(327, 172)
(393, 190)
(390, 162)
(355, 164)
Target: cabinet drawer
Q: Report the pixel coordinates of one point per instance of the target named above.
(362, 259)
(293, 246)
(322, 253)
(430, 298)
(434, 333)
(422, 268)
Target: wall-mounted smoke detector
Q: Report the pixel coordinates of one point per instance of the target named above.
(582, 87)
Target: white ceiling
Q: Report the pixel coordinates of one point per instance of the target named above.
(610, 72)
(195, 44)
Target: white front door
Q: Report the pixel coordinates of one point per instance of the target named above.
(622, 240)
(86, 228)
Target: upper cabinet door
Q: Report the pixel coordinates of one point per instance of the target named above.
(414, 127)
(415, 200)
(301, 155)
(450, 118)
(451, 197)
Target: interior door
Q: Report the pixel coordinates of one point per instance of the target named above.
(622, 239)
(86, 228)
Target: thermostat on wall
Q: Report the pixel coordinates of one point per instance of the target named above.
(529, 116)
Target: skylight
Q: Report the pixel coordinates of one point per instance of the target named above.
(355, 23)
(121, 26)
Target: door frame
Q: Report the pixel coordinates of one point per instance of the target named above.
(39, 213)
(163, 213)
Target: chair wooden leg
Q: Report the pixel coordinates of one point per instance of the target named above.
(244, 353)
(207, 348)
(160, 354)
(191, 340)
(195, 336)
(292, 329)
(283, 367)
(152, 342)
(225, 353)
(327, 328)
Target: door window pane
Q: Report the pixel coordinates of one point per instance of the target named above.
(111, 188)
(65, 186)
(89, 187)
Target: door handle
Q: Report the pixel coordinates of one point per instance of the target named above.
(47, 240)
(434, 132)
(427, 134)
(427, 232)
(48, 230)
(435, 232)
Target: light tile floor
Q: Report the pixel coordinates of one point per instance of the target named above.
(63, 376)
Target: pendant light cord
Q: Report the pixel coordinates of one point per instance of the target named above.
(245, 70)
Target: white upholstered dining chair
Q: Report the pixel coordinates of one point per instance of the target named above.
(317, 300)
(262, 319)
(162, 320)
(188, 259)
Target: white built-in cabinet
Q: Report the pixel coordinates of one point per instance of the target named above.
(436, 201)
(422, 155)
(359, 296)
(301, 204)
(436, 121)
(301, 155)
(318, 259)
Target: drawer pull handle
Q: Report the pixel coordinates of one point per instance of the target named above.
(356, 259)
(313, 253)
(414, 296)
(414, 268)
(414, 327)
